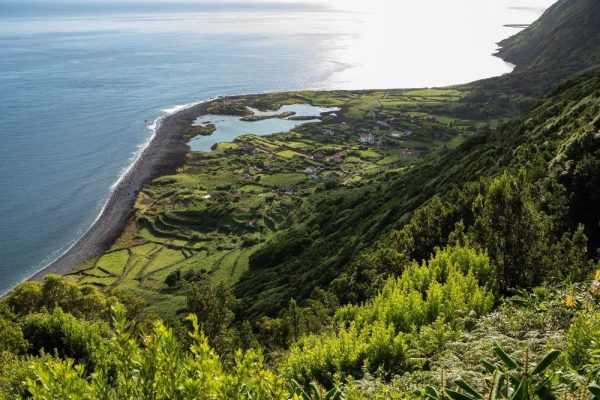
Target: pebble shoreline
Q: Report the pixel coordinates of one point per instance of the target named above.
(164, 153)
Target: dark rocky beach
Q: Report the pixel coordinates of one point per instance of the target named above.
(164, 153)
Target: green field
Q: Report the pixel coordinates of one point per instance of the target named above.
(223, 204)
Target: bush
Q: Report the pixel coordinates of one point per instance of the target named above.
(212, 304)
(156, 369)
(583, 333)
(11, 337)
(347, 351)
(15, 370)
(81, 301)
(454, 283)
(513, 230)
(64, 335)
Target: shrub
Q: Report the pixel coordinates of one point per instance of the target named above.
(64, 335)
(55, 292)
(11, 337)
(157, 370)
(509, 225)
(455, 282)
(584, 331)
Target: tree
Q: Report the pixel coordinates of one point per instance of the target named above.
(64, 335)
(213, 305)
(11, 337)
(512, 230)
(55, 292)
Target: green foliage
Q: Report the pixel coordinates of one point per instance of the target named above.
(512, 230)
(583, 334)
(296, 321)
(212, 304)
(514, 206)
(454, 282)
(509, 380)
(156, 369)
(432, 338)
(15, 370)
(568, 259)
(348, 351)
(574, 27)
(548, 199)
(65, 336)
(276, 251)
(56, 292)
(11, 337)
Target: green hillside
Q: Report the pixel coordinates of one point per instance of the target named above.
(560, 44)
(565, 36)
(345, 222)
(416, 244)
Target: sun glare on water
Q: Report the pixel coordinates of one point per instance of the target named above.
(425, 42)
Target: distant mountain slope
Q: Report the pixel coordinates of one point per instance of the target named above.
(565, 39)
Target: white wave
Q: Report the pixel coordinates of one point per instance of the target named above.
(153, 128)
(177, 108)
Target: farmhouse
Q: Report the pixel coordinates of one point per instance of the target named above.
(366, 138)
(310, 171)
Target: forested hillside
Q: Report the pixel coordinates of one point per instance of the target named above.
(463, 267)
(340, 224)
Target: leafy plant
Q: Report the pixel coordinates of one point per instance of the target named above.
(510, 380)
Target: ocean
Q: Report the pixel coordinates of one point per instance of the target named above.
(82, 82)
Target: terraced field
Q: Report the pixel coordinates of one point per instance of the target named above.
(222, 205)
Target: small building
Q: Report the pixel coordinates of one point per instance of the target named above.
(327, 132)
(366, 138)
(310, 171)
(318, 156)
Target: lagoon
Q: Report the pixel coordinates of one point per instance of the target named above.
(229, 127)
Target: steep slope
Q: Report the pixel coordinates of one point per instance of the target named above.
(564, 41)
(566, 36)
(558, 140)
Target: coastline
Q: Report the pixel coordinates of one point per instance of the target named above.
(163, 154)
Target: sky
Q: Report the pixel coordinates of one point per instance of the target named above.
(347, 5)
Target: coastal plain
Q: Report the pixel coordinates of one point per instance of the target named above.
(210, 212)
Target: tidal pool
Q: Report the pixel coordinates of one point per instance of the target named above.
(229, 127)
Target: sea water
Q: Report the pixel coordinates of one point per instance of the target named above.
(80, 82)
